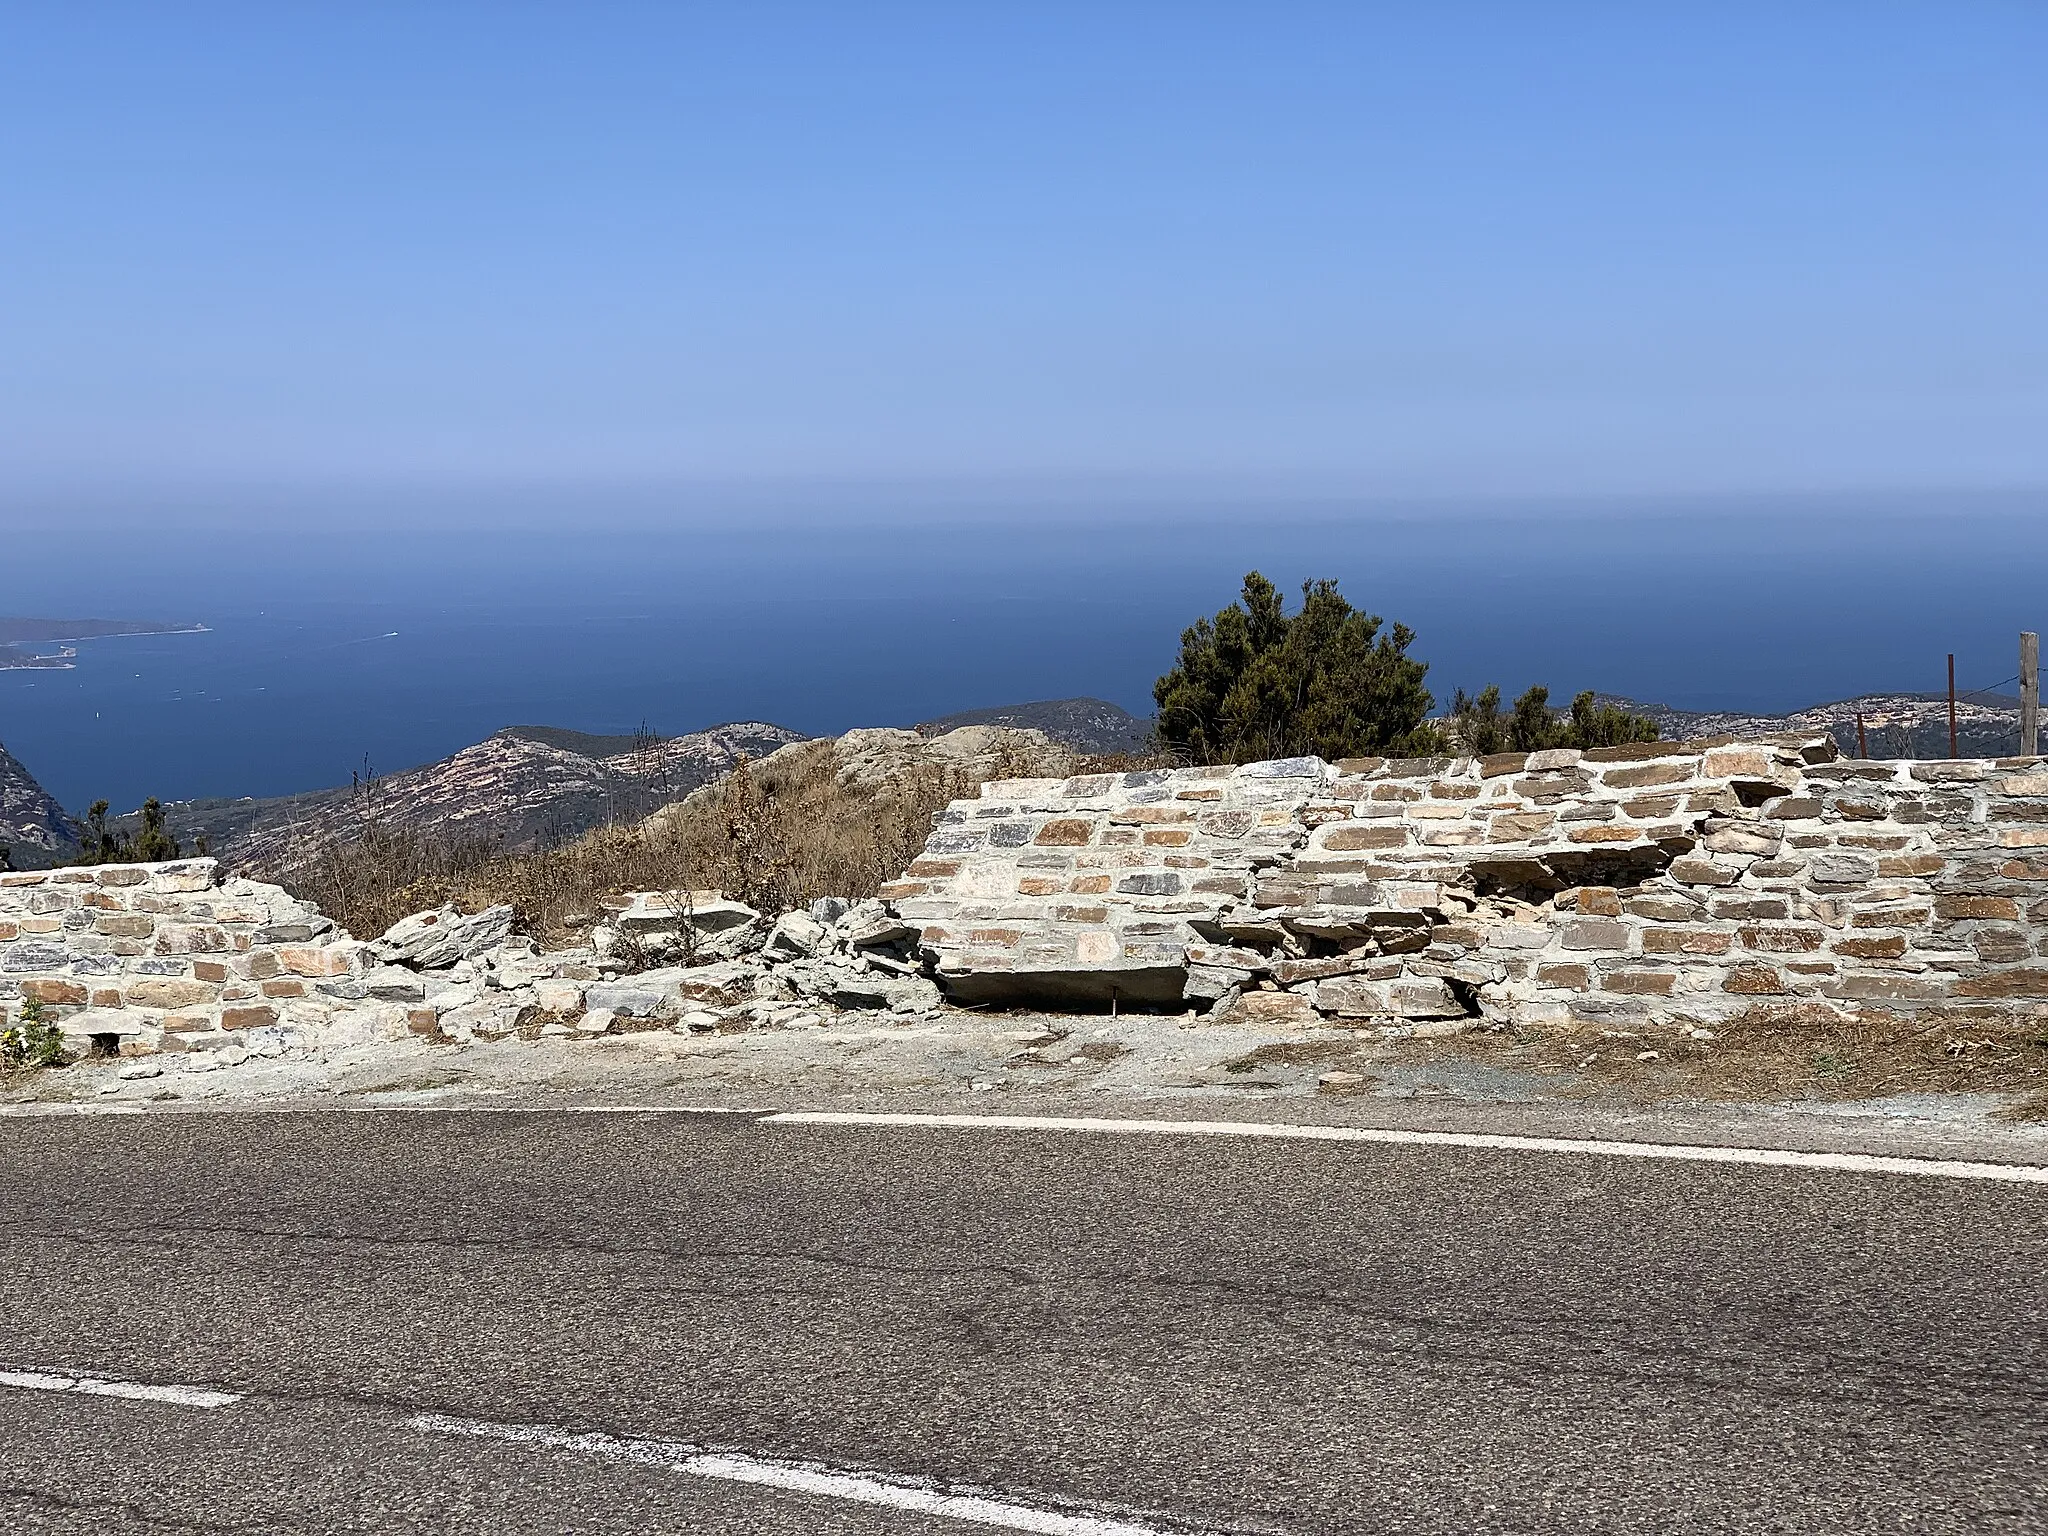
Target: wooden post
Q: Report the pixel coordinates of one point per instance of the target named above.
(1862, 741)
(1951, 703)
(2030, 694)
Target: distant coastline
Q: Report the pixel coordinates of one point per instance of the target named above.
(17, 636)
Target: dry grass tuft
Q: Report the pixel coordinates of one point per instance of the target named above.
(1786, 1052)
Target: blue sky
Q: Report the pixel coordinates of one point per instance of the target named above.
(1454, 250)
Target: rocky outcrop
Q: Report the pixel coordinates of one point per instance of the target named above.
(34, 830)
(519, 789)
(1093, 727)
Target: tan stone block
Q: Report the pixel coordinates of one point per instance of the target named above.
(2027, 981)
(933, 869)
(1700, 872)
(1519, 826)
(1153, 816)
(1437, 810)
(1739, 763)
(1754, 981)
(1686, 941)
(1089, 885)
(1897, 917)
(1640, 983)
(57, 994)
(1068, 832)
(1002, 938)
(2023, 784)
(1452, 837)
(1782, 940)
(1605, 833)
(1272, 1008)
(1574, 978)
(1080, 914)
(209, 970)
(1651, 807)
(1343, 837)
(170, 992)
(106, 997)
(1096, 946)
(2024, 869)
(902, 890)
(284, 986)
(1887, 948)
(1596, 933)
(315, 961)
(124, 925)
(247, 1018)
(1970, 908)
(1168, 837)
(2023, 837)
(1911, 866)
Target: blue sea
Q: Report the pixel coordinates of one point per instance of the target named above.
(388, 646)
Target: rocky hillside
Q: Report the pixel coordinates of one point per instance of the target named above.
(34, 830)
(524, 787)
(1894, 724)
(1090, 726)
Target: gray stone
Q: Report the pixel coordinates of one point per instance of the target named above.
(794, 936)
(33, 955)
(429, 941)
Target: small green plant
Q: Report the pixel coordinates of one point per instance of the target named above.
(1831, 1064)
(34, 1042)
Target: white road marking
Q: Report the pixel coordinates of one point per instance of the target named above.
(1768, 1157)
(977, 1506)
(113, 1386)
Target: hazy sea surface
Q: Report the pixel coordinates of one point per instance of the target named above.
(329, 649)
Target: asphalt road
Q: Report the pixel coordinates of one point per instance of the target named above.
(1180, 1334)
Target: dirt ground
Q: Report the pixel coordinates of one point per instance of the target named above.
(1064, 1063)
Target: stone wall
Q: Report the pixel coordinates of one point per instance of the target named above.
(142, 958)
(1661, 883)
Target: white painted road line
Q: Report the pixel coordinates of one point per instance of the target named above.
(108, 1386)
(976, 1507)
(1767, 1157)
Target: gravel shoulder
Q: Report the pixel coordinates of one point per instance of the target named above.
(1094, 1065)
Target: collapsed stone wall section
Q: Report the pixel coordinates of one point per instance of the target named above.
(1656, 883)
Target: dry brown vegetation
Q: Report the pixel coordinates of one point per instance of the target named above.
(1784, 1052)
(776, 834)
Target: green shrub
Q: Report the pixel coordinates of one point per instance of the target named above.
(100, 843)
(34, 1042)
(1255, 682)
(1477, 726)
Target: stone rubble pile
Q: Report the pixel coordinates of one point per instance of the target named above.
(172, 963)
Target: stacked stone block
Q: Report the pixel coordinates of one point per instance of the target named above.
(134, 959)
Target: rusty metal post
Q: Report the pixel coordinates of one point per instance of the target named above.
(2030, 694)
(1951, 703)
